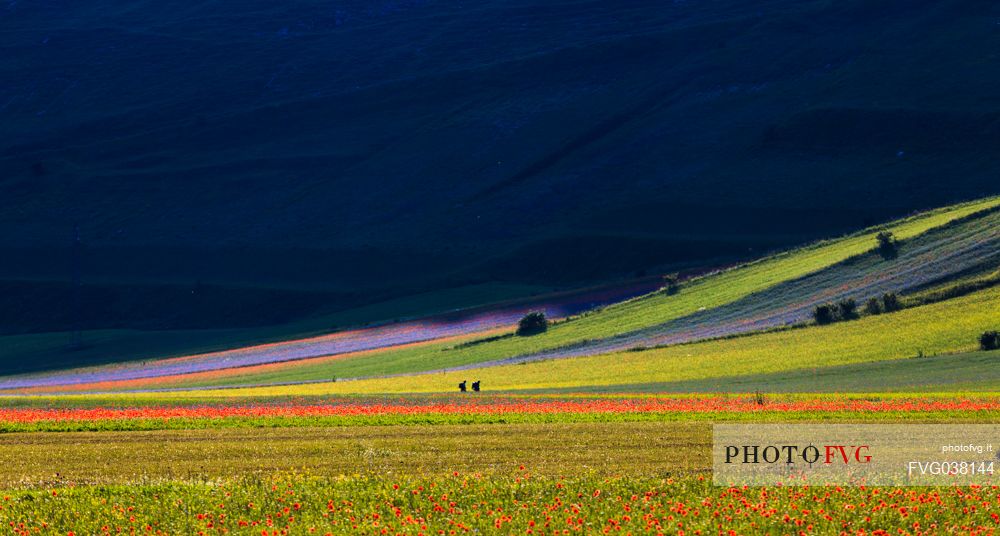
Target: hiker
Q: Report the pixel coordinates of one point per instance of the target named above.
(461, 386)
(475, 386)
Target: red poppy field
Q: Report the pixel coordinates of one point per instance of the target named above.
(455, 409)
(517, 503)
(240, 474)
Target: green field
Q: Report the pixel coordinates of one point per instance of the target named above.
(553, 449)
(943, 327)
(964, 372)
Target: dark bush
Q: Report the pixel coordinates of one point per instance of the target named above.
(887, 247)
(532, 323)
(847, 309)
(671, 284)
(990, 340)
(825, 314)
(890, 302)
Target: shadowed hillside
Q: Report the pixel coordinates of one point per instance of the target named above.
(941, 255)
(315, 156)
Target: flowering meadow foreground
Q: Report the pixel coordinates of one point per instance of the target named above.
(444, 465)
(516, 503)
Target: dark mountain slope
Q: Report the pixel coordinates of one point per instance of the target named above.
(442, 142)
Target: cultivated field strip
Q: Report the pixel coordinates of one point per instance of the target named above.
(923, 260)
(47, 459)
(359, 340)
(940, 253)
(904, 334)
(974, 372)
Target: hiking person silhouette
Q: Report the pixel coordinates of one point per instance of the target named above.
(461, 386)
(475, 386)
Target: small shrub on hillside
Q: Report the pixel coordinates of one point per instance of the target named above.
(873, 306)
(532, 323)
(825, 314)
(671, 284)
(887, 247)
(990, 340)
(887, 303)
(847, 309)
(890, 302)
